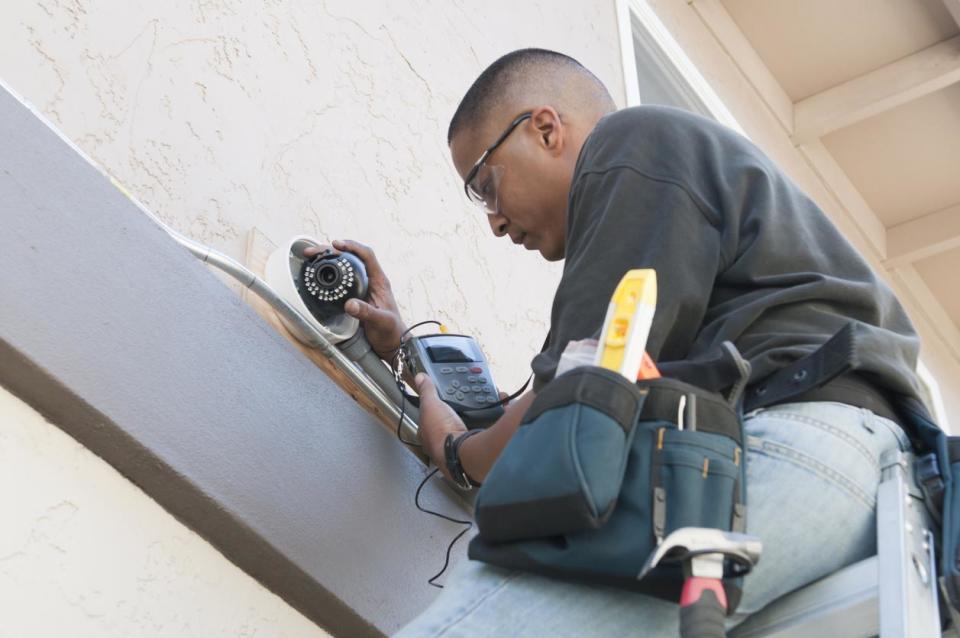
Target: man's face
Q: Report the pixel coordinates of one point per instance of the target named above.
(525, 180)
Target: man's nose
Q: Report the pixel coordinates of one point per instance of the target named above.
(498, 224)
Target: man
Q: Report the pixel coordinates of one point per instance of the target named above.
(741, 255)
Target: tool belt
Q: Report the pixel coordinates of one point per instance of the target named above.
(600, 471)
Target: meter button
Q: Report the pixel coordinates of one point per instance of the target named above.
(476, 370)
(488, 388)
(460, 396)
(471, 379)
(446, 370)
(461, 369)
(476, 388)
(455, 383)
(481, 380)
(450, 390)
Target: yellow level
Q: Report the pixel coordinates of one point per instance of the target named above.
(627, 324)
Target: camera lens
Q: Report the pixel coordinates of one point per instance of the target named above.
(328, 275)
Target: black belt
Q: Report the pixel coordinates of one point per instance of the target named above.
(825, 375)
(852, 389)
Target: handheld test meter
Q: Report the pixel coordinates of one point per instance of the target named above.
(459, 371)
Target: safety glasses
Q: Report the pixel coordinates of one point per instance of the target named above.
(482, 182)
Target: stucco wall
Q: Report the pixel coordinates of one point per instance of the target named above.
(326, 118)
(84, 552)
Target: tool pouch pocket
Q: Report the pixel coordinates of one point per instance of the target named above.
(695, 479)
(695, 447)
(563, 469)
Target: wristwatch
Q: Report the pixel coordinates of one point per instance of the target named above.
(451, 455)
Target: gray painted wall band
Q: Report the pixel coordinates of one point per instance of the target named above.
(123, 339)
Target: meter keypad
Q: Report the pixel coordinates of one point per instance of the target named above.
(467, 388)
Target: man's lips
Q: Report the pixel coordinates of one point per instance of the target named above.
(519, 238)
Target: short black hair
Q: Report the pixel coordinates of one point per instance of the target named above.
(499, 77)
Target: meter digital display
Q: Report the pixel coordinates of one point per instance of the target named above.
(451, 350)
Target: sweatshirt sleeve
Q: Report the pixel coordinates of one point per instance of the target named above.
(621, 218)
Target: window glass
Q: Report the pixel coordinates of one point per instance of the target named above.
(660, 82)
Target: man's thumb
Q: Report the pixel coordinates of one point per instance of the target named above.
(357, 308)
(423, 383)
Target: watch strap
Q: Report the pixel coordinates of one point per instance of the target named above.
(451, 456)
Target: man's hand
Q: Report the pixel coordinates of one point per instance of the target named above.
(437, 419)
(379, 315)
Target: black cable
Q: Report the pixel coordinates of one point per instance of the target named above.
(417, 325)
(469, 525)
(504, 400)
(399, 381)
(404, 397)
(403, 404)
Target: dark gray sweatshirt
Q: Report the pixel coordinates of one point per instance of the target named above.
(741, 253)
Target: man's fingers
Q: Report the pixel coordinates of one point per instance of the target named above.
(360, 250)
(310, 251)
(367, 313)
(359, 309)
(503, 396)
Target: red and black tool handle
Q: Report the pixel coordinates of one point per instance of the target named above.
(703, 608)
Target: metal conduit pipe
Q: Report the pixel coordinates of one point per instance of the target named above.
(358, 349)
(379, 385)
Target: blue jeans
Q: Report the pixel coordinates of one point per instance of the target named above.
(812, 475)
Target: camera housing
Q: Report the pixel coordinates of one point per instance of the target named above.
(319, 286)
(328, 280)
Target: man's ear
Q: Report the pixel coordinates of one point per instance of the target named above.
(551, 134)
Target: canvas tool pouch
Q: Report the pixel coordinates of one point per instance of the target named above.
(600, 470)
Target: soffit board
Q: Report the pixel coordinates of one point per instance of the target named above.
(905, 161)
(812, 45)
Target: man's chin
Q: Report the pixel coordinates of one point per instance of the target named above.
(551, 254)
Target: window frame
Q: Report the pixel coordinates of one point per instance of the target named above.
(662, 45)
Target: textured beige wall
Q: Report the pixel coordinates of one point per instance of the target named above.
(325, 118)
(84, 552)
